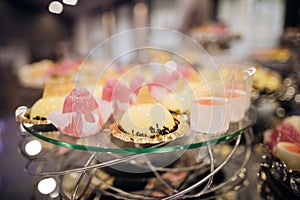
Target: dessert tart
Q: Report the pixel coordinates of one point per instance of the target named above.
(23, 116)
(37, 114)
(147, 122)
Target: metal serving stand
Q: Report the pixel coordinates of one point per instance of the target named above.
(85, 171)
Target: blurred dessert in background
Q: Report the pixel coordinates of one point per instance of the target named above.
(284, 141)
(35, 75)
(281, 55)
(266, 80)
(214, 36)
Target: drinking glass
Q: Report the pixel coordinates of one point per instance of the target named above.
(242, 88)
(211, 105)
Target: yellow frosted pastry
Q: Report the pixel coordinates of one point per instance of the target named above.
(46, 105)
(145, 96)
(171, 102)
(147, 120)
(266, 80)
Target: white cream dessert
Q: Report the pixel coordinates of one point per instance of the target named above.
(147, 118)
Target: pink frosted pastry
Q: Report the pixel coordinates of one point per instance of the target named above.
(82, 114)
(115, 90)
(81, 101)
(185, 71)
(121, 96)
(108, 88)
(166, 79)
(287, 131)
(169, 79)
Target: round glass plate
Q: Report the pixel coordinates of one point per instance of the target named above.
(105, 142)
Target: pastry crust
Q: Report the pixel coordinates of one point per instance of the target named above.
(179, 132)
(24, 118)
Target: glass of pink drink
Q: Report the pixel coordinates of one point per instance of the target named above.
(241, 92)
(238, 104)
(211, 107)
(243, 72)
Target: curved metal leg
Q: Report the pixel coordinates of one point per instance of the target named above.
(185, 191)
(249, 139)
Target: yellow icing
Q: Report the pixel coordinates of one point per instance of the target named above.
(140, 118)
(46, 105)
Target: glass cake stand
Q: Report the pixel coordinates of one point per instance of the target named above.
(105, 142)
(101, 166)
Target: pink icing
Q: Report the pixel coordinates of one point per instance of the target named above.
(80, 101)
(109, 88)
(82, 114)
(284, 132)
